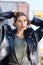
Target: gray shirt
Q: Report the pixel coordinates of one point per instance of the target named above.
(20, 47)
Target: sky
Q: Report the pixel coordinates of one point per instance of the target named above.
(36, 4)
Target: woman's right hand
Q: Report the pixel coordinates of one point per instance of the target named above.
(15, 12)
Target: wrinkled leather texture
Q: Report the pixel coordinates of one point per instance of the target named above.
(6, 15)
(30, 37)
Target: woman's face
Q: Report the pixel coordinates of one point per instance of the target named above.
(21, 23)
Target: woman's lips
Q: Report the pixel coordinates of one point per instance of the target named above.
(22, 26)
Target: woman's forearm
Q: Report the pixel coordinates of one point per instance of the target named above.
(37, 22)
(9, 14)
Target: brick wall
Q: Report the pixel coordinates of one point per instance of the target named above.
(23, 7)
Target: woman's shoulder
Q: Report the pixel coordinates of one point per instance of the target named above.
(28, 31)
(9, 30)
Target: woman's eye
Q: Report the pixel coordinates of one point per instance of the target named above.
(25, 20)
(19, 21)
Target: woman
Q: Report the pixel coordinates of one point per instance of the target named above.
(24, 43)
(18, 55)
(19, 52)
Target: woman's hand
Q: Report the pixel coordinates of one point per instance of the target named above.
(15, 12)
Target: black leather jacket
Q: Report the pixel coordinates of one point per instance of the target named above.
(32, 37)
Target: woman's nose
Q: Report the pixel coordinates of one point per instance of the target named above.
(22, 23)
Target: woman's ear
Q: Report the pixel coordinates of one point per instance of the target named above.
(29, 22)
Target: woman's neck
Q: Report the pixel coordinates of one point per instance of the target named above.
(20, 33)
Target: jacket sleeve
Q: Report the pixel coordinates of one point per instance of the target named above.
(3, 52)
(4, 47)
(6, 15)
(37, 22)
(38, 34)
